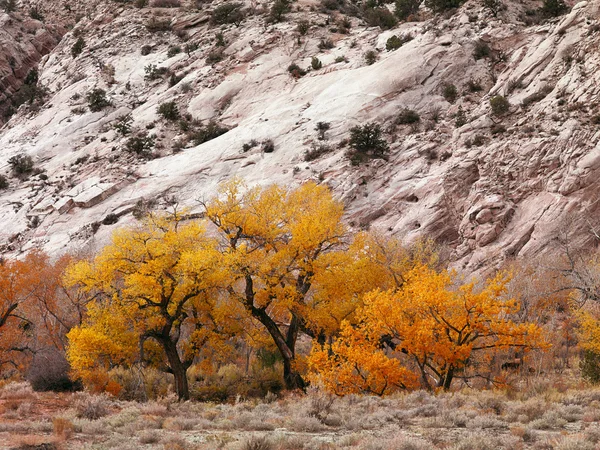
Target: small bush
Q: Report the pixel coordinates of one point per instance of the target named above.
(461, 118)
(21, 164)
(439, 6)
(370, 57)
(77, 47)
(227, 13)
(367, 141)
(380, 17)
(321, 129)
(207, 133)
(395, 42)
(316, 63)
(36, 14)
(317, 152)
(554, 8)
(296, 71)
(474, 85)
(499, 105)
(406, 8)
(175, 50)
(408, 116)
(168, 111)
(155, 25)
(3, 183)
(258, 443)
(215, 56)
(303, 26)
(92, 407)
(146, 50)
(166, 3)
(97, 100)
(141, 145)
(326, 44)
(123, 124)
(268, 146)
(278, 10)
(481, 50)
(450, 92)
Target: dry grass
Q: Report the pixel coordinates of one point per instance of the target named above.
(529, 418)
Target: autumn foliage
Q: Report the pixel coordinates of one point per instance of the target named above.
(427, 330)
(266, 274)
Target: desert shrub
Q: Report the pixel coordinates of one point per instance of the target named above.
(406, 8)
(481, 50)
(258, 443)
(395, 42)
(214, 56)
(408, 116)
(325, 44)
(3, 182)
(268, 146)
(499, 105)
(166, 3)
(278, 10)
(155, 25)
(141, 144)
(174, 50)
(92, 407)
(154, 73)
(123, 124)
(554, 8)
(36, 14)
(97, 100)
(380, 17)
(439, 6)
(461, 118)
(316, 63)
(303, 26)
(8, 5)
(321, 128)
(227, 13)
(168, 111)
(449, 92)
(474, 85)
(146, 50)
(493, 6)
(370, 57)
(77, 47)
(49, 371)
(367, 142)
(590, 366)
(249, 145)
(296, 71)
(206, 133)
(316, 152)
(21, 164)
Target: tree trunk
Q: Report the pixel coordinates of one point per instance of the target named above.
(447, 381)
(178, 368)
(293, 380)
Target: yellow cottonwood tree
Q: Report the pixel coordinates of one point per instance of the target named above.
(275, 242)
(156, 282)
(429, 326)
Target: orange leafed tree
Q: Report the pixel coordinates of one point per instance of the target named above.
(429, 326)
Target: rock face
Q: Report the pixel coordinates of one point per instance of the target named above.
(492, 187)
(24, 41)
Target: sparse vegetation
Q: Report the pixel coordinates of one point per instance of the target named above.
(449, 92)
(395, 42)
(500, 105)
(21, 164)
(141, 145)
(370, 57)
(168, 111)
(97, 100)
(405, 9)
(78, 47)
(228, 13)
(367, 142)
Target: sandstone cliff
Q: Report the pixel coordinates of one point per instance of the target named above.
(494, 188)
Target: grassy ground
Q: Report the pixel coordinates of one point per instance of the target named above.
(541, 415)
